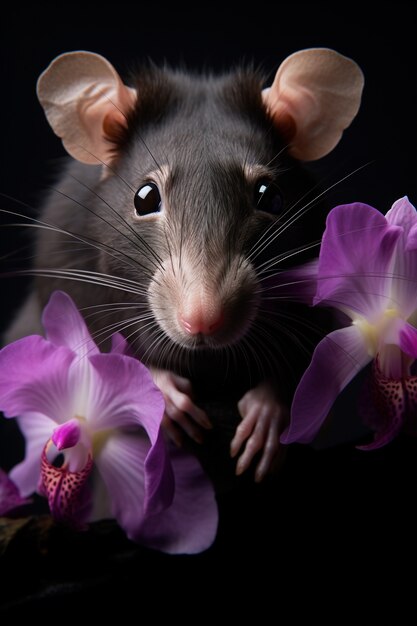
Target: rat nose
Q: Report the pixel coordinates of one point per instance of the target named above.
(198, 321)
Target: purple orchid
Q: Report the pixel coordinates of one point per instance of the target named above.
(368, 270)
(94, 446)
(10, 498)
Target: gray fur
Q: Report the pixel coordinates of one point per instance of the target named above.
(203, 132)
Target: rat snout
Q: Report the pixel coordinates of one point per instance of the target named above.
(211, 305)
(201, 316)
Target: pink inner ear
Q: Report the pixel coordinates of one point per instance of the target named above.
(113, 123)
(86, 103)
(279, 111)
(314, 96)
(286, 125)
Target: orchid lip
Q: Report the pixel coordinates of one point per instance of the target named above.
(64, 489)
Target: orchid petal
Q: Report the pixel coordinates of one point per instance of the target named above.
(336, 360)
(355, 258)
(123, 394)
(408, 340)
(67, 435)
(65, 326)
(404, 274)
(10, 497)
(34, 377)
(37, 430)
(298, 284)
(384, 437)
(189, 525)
(412, 239)
(402, 213)
(133, 490)
(119, 345)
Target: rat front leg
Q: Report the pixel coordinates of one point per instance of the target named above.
(264, 417)
(181, 412)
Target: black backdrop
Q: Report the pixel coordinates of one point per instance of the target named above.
(338, 530)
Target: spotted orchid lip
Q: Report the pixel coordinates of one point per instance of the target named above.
(395, 401)
(65, 490)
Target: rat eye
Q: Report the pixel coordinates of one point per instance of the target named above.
(268, 198)
(147, 199)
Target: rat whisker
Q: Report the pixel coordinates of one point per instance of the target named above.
(84, 206)
(169, 250)
(283, 149)
(138, 134)
(119, 326)
(108, 167)
(92, 243)
(303, 210)
(108, 307)
(122, 221)
(68, 275)
(149, 349)
(284, 256)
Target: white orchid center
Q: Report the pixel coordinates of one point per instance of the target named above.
(378, 330)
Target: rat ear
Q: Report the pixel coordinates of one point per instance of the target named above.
(315, 95)
(85, 102)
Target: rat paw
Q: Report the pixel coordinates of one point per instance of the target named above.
(264, 417)
(182, 415)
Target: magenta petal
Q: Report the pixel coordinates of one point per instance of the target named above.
(159, 480)
(123, 394)
(408, 340)
(65, 326)
(37, 430)
(402, 213)
(189, 525)
(135, 485)
(119, 345)
(404, 281)
(33, 377)
(10, 497)
(67, 435)
(383, 438)
(336, 360)
(412, 239)
(355, 257)
(298, 284)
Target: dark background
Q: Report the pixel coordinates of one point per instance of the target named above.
(330, 540)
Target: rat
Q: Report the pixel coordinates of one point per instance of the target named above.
(177, 215)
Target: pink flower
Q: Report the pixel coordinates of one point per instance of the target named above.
(100, 415)
(10, 497)
(368, 270)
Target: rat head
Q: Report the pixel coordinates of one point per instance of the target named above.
(204, 172)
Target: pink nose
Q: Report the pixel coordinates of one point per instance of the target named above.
(196, 322)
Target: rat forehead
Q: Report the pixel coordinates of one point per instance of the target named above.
(166, 176)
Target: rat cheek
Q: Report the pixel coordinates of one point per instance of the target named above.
(164, 297)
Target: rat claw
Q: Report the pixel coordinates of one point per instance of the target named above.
(263, 418)
(182, 414)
